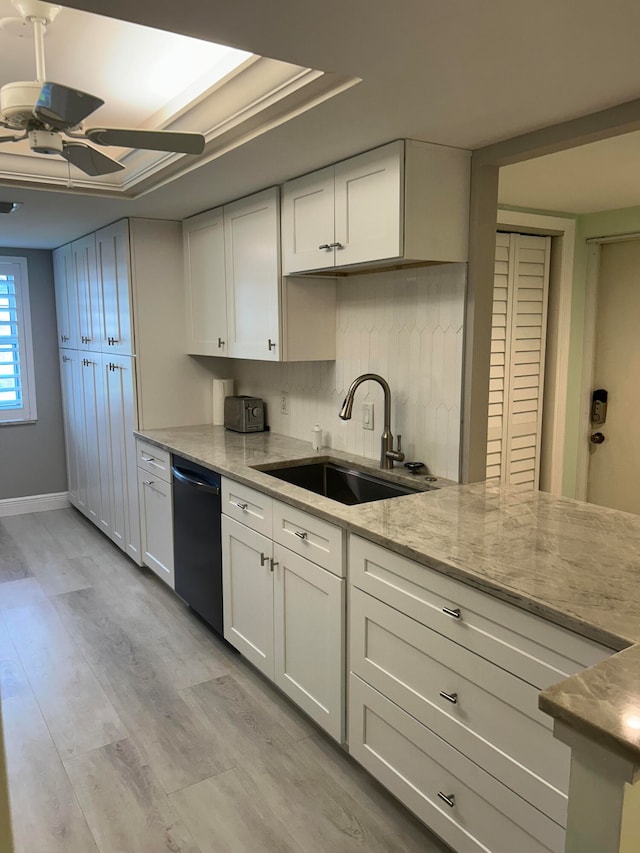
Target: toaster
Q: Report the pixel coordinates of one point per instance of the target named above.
(244, 414)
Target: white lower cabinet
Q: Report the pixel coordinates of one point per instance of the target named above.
(247, 584)
(119, 374)
(309, 638)
(156, 511)
(283, 612)
(71, 381)
(443, 704)
(466, 806)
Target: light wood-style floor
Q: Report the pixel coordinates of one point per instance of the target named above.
(130, 728)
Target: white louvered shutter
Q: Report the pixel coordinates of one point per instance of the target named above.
(521, 286)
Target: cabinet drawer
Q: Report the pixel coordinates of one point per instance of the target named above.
(154, 460)
(528, 646)
(488, 714)
(417, 766)
(310, 537)
(247, 506)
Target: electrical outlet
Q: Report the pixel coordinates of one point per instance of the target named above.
(284, 402)
(367, 416)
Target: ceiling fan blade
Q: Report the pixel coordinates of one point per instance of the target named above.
(62, 107)
(152, 140)
(88, 160)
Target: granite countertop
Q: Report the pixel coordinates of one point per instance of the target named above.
(572, 563)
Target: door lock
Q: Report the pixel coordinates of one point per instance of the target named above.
(597, 438)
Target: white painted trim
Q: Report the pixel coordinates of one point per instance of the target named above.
(33, 503)
(558, 344)
(594, 252)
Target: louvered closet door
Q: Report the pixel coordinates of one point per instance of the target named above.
(521, 286)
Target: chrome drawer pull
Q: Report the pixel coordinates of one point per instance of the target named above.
(336, 245)
(148, 458)
(453, 612)
(324, 246)
(149, 482)
(449, 800)
(300, 534)
(450, 697)
(241, 506)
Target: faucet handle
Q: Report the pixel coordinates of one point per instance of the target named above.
(395, 455)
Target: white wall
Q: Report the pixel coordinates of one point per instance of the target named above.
(405, 325)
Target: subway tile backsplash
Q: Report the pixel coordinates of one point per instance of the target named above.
(406, 325)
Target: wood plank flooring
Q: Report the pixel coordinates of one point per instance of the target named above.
(131, 728)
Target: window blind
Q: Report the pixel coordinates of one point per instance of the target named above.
(11, 396)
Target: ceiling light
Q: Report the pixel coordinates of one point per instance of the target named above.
(9, 206)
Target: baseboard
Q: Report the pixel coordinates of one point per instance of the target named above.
(34, 503)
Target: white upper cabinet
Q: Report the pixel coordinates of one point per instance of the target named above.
(308, 222)
(114, 282)
(252, 265)
(205, 283)
(236, 302)
(85, 273)
(406, 202)
(66, 297)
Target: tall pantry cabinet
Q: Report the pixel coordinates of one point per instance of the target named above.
(123, 367)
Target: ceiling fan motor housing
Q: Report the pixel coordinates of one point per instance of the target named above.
(17, 101)
(45, 142)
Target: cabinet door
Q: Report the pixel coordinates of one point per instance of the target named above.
(156, 525)
(205, 284)
(120, 398)
(309, 613)
(71, 381)
(368, 206)
(252, 235)
(66, 297)
(86, 275)
(308, 222)
(95, 434)
(114, 278)
(247, 583)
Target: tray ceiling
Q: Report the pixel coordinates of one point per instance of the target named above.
(150, 79)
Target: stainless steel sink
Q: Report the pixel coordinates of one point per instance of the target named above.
(346, 485)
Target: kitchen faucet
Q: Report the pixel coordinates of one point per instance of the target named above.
(387, 454)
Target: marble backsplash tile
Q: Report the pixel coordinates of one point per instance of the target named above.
(406, 325)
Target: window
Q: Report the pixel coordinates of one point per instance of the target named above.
(17, 385)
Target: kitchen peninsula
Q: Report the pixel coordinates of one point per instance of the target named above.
(572, 564)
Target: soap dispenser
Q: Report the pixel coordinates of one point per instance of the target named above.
(316, 438)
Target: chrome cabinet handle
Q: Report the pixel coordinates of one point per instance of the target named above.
(220, 343)
(148, 482)
(450, 697)
(272, 345)
(66, 358)
(148, 458)
(453, 612)
(336, 245)
(264, 559)
(450, 799)
(274, 563)
(301, 534)
(324, 246)
(241, 506)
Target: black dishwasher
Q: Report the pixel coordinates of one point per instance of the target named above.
(197, 548)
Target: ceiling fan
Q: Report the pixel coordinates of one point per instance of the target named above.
(45, 111)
